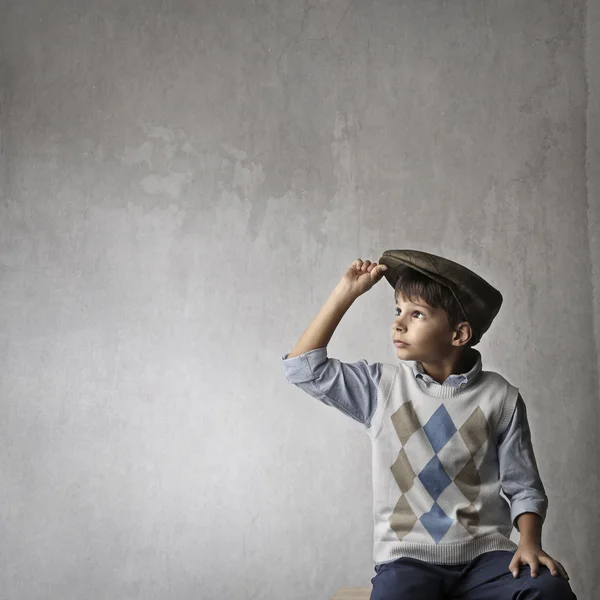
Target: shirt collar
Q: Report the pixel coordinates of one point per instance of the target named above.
(454, 380)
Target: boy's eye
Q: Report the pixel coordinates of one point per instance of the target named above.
(417, 312)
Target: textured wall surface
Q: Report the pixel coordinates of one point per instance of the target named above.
(181, 186)
(591, 587)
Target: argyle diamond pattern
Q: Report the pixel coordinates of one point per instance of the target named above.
(435, 471)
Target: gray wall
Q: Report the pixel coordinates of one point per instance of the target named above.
(182, 185)
(590, 537)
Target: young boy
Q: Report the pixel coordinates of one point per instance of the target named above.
(447, 437)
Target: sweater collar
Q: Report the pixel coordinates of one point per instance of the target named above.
(455, 380)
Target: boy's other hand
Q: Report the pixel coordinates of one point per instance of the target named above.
(534, 556)
(361, 276)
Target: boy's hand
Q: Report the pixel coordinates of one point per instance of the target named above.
(533, 555)
(361, 276)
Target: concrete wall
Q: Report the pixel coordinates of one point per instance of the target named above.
(182, 184)
(591, 539)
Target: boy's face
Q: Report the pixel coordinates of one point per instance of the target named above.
(425, 330)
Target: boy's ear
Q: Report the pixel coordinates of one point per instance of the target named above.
(462, 334)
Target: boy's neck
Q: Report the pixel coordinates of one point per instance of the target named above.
(456, 365)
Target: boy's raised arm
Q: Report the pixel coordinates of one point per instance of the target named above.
(358, 278)
(319, 332)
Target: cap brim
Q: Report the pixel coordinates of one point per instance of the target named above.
(393, 259)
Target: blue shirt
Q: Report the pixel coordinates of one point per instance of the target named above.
(517, 465)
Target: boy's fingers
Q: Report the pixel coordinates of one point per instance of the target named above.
(553, 566)
(556, 569)
(379, 269)
(374, 268)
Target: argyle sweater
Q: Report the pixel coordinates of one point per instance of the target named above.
(441, 453)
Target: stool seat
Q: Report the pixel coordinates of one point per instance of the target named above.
(352, 593)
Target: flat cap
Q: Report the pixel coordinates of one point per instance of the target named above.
(479, 300)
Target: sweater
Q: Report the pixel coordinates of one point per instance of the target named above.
(441, 453)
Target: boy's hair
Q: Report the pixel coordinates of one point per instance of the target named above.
(415, 286)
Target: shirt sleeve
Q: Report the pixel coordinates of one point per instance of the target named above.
(519, 475)
(349, 387)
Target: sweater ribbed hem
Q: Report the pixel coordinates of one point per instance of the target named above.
(447, 554)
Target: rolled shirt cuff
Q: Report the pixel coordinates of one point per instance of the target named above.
(299, 369)
(533, 505)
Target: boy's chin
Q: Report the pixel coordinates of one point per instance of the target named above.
(408, 353)
(405, 351)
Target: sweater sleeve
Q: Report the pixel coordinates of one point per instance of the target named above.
(521, 481)
(349, 387)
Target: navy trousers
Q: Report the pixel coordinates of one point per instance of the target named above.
(485, 578)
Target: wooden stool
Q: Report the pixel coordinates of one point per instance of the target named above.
(352, 593)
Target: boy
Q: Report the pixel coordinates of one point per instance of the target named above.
(447, 437)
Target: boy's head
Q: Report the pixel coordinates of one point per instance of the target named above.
(459, 299)
(428, 318)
